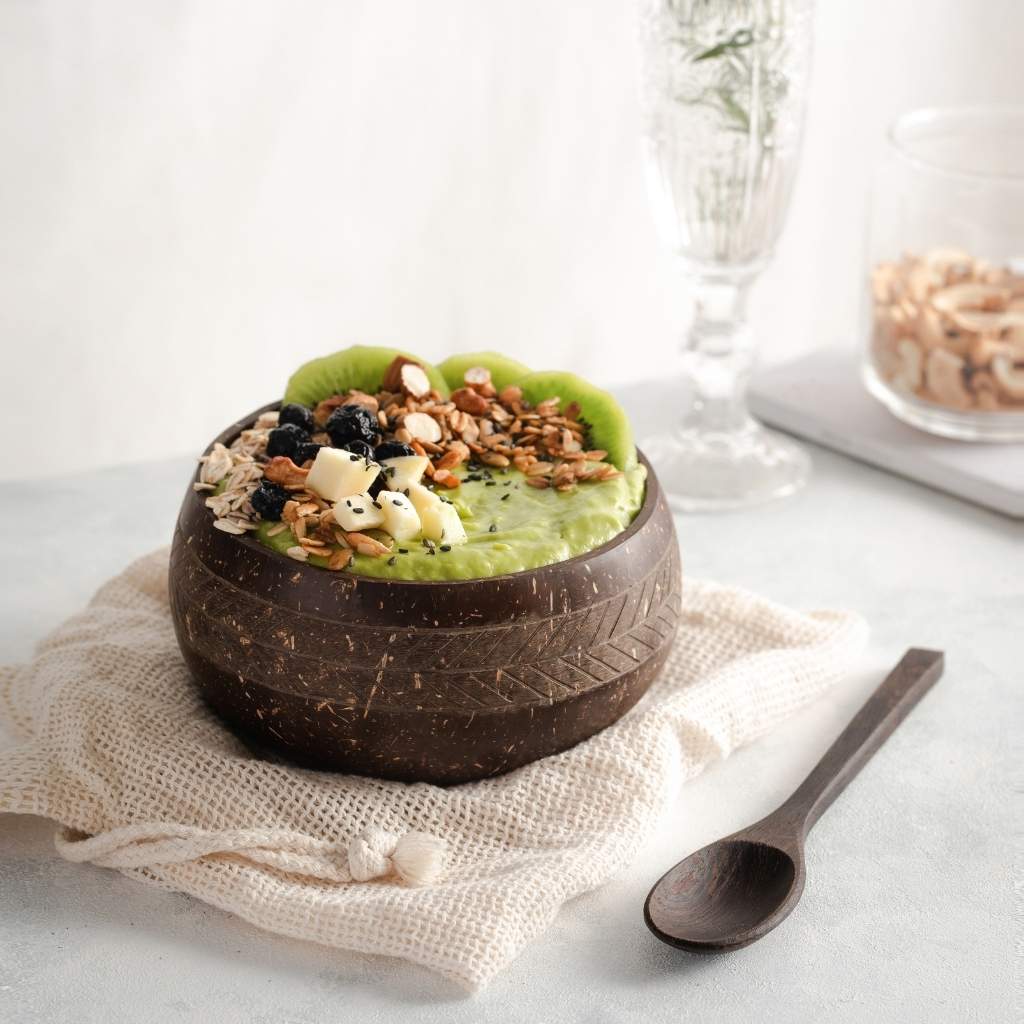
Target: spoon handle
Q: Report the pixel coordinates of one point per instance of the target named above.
(905, 685)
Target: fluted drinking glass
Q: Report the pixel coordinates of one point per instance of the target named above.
(724, 84)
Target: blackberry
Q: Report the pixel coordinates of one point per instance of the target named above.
(297, 415)
(268, 499)
(285, 440)
(352, 423)
(306, 451)
(360, 448)
(392, 450)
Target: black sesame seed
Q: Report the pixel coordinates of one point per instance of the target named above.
(491, 483)
(349, 503)
(493, 528)
(505, 497)
(403, 551)
(431, 551)
(359, 511)
(377, 504)
(507, 483)
(392, 560)
(446, 547)
(397, 503)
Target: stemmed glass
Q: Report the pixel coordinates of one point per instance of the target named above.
(724, 83)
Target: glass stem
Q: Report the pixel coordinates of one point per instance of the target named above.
(718, 355)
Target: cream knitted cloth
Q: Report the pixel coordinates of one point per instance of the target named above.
(119, 750)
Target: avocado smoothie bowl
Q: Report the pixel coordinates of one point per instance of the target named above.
(424, 573)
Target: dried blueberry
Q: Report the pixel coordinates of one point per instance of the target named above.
(392, 450)
(352, 423)
(268, 499)
(360, 448)
(298, 415)
(306, 451)
(285, 440)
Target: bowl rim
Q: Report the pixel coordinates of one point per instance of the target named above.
(652, 496)
(902, 127)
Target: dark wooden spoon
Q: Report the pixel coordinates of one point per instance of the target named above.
(732, 892)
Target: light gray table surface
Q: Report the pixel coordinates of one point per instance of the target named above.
(908, 913)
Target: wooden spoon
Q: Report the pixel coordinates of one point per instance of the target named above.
(732, 892)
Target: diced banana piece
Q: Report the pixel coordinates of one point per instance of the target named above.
(336, 474)
(441, 523)
(358, 513)
(400, 517)
(404, 471)
(423, 498)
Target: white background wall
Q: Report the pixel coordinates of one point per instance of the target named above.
(195, 196)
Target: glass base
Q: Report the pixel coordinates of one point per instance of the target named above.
(704, 472)
(965, 425)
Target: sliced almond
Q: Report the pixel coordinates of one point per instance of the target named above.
(494, 459)
(414, 380)
(363, 399)
(453, 457)
(978, 321)
(392, 380)
(421, 426)
(323, 410)
(468, 400)
(446, 478)
(367, 545)
(1009, 377)
(339, 559)
(228, 526)
(970, 295)
(479, 379)
(944, 378)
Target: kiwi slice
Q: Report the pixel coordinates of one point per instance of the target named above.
(609, 425)
(504, 371)
(360, 367)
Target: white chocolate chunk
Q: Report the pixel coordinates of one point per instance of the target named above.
(358, 512)
(404, 471)
(400, 517)
(336, 474)
(441, 523)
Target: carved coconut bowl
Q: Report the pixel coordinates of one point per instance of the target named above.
(440, 682)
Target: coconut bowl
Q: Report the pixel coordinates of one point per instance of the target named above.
(426, 681)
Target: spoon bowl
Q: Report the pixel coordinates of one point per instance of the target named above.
(725, 895)
(737, 889)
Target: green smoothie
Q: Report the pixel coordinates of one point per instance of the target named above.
(510, 526)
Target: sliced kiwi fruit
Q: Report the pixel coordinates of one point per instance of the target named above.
(360, 368)
(609, 425)
(504, 371)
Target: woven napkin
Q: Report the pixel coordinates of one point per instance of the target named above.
(117, 747)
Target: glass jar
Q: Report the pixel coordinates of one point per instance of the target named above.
(944, 307)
